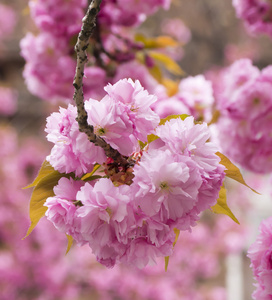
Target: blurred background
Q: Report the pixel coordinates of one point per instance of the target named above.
(209, 264)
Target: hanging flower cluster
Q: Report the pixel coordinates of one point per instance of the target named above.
(130, 214)
(51, 51)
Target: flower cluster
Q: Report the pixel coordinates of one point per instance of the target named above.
(38, 263)
(52, 50)
(255, 14)
(245, 104)
(130, 218)
(260, 254)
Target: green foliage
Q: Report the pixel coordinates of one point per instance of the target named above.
(166, 259)
(157, 42)
(221, 206)
(167, 62)
(90, 176)
(151, 138)
(156, 72)
(232, 171)
(45, 169)
(182, 117)
(70, 243)
(43, 188)
(172, 86)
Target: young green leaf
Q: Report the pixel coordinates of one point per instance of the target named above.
(41, 192)
(166, 259)
(88, 175)
(70, 243)
(177, 232)
(151, 138)
(156, 72)
(171, 86)
(221, 206)
(232, 171)
(182, 117)
(142, 144)
(167, 62)
(158, 42)
(45, 169)
(166, 263)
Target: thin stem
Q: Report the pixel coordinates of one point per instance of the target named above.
(88, 24)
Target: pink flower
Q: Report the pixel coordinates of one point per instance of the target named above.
(177, 29)
(237, 76)
(46, 58)
(166, 186)
(60, 18)
(137, 101)
(136, 71)
(260, 254)
(255, 14)
(197, 93)
(245, 105)
(187, 143)
(72, 151)
(129, 13)
(61, 208)
(111, 122)
(105, 219)
(123, 116)
(189, 139)
(171, 106)
(8, 101)
(7, 21)
(141, 253)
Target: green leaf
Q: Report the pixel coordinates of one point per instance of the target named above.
(166, 263)
(221, 206)
(171, 86)
(142, 144)
(167, 62)
(91, 178)
(42, 191)
(70, 243)
(166, 259)
(156, 72)
(151, 138)
(45, 169)
(232, 171)
(215, 117)
(157, 42)
(87, 176)
(182, 117)
(177, 232)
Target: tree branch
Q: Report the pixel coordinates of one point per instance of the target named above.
(88, 24)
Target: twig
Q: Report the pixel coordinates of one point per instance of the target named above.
(88, 24)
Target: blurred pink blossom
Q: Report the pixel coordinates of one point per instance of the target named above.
(8, 101)
(260, 254)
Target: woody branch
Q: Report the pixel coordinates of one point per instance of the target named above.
(88, 24)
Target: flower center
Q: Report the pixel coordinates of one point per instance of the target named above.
(164, 185)
(101, 131)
